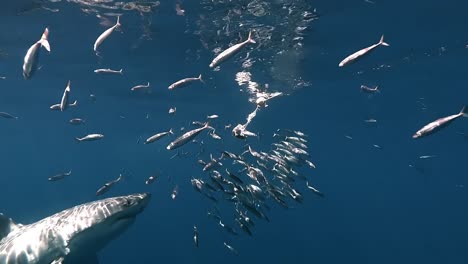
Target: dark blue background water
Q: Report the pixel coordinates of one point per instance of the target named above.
(378, 208)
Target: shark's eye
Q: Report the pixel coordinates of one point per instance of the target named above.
(127, 203)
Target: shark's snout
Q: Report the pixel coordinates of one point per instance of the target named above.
(136, 203)
(144, 199)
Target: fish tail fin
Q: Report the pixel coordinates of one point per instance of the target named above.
(250, 39)
(68, 86)
(117, 24)
(121, 71)
(75, 103)
(207, 125)
(98, 54)
(464, 111)
(200, 78)
(44, 39)
(78, 139)
(171, 132)
(382, 42)
(148, 84)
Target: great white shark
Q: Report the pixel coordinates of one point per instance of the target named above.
(72, 236)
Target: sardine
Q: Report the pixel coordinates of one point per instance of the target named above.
(7, 115)
(106, 187)
(187, 137)
(76, 121)
(175, 192)
(140, 86)
(244, 226)
(228, 228)
(195, 236)
(157, 136)
(185, 82)
(197, 184)
(31, 57)
(90, 137)
(366, 89)
(234, 177)
(109, 71)
(64, 101)
(106, 34)
(232, 249)
(439, 124)
(60, 176)
(317, 192)
(362, 52)
(150, 180)
(231, 51)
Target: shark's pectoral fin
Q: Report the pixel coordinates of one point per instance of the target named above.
(7, 225)
(89, 259)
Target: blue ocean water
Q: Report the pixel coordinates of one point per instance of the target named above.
(382, 204)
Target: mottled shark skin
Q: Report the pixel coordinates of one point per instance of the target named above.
(72, 236)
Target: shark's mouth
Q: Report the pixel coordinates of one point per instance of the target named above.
(125, 218)
(130, 209)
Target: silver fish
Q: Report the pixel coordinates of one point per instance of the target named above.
(31, 57)
(362, 52)
(439, 124)
(187, 137)
(109, 71)
(60, 176)
(366, 89)
(140, 86)
(175, 192)
(232, 249)
(214, 135)
(7, 115)
(427, 156)
(76, 121)
(179, 10)
(243, 225)
(90, 137)
(64, 101)
(195, 236)
(106, 34)
(317, 192)
(150, 180)
(231, 51)
(212, 163)
(197, 184)
(228, 228)
(108, 185)
(157, 136)
(185, 82)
